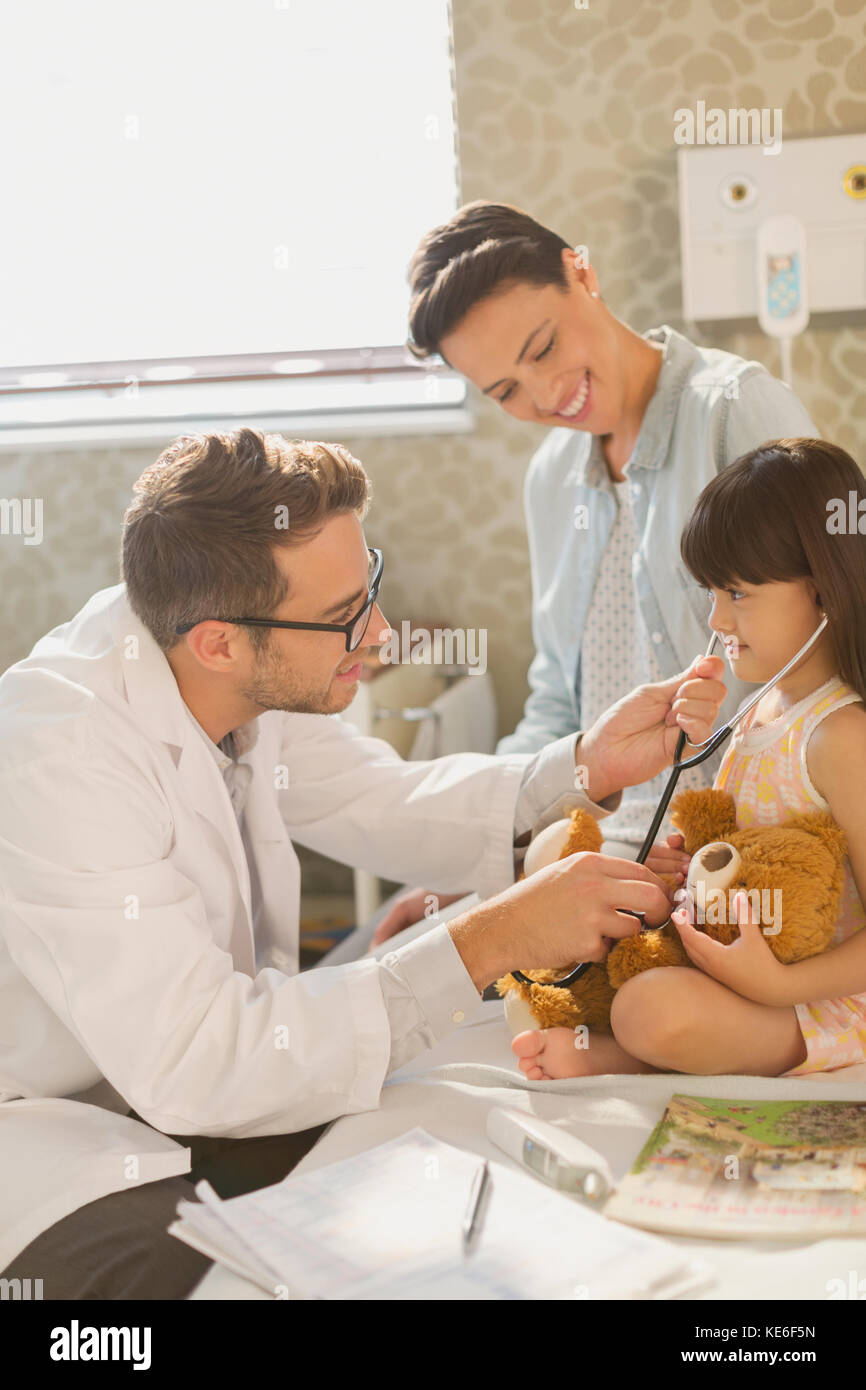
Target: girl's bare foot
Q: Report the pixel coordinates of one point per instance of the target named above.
(549, 1054)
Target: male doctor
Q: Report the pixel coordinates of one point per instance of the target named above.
(159, 754)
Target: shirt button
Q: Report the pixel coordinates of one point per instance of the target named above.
(457, 1016)
(635, 489)
(657, 637)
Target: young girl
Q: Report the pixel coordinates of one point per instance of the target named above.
(774, 538)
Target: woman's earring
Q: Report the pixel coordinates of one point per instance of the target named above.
(581, 262)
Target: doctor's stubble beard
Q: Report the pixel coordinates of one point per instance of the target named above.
(276, 685)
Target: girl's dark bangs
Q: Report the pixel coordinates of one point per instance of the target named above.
(736, 534)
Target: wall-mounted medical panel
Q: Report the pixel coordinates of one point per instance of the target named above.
(727, 192)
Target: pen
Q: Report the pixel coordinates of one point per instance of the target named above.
(476, 1197)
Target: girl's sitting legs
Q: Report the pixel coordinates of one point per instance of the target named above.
(672, 1019)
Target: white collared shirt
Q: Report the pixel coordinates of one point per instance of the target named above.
(135, 972)
(425, 985)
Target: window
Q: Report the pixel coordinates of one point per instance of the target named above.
(210, 210)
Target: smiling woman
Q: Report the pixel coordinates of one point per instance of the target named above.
(495, 277)
(641, 423)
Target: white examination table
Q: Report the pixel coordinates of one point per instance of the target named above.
(449, 1090)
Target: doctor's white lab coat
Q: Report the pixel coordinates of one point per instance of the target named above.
(132, 973)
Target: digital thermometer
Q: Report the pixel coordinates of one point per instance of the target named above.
(552, 1154)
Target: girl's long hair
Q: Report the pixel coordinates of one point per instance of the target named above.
(783, 512)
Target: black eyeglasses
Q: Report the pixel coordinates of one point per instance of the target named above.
(353, 630)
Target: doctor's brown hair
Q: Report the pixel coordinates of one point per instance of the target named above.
(766, 518)
(484, 249)
(198, 537)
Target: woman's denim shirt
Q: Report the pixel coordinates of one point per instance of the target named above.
(708, 408)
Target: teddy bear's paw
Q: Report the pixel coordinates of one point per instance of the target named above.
(518, 1013)
(574, 834)
(822, 826)
(585, 835)
(592, 996)
(649, 950)
(507, 984)
(546, 1005)
(542, 1001)
(793, 876)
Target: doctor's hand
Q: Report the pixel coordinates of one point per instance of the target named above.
(571, 910)
(637, 737)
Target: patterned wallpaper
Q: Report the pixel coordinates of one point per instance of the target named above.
(567, 112)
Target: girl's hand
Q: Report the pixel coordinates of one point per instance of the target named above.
(669, 858)
(637, 737)
(747, 966)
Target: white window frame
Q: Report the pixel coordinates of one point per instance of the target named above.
(375, 391)
(314, 393)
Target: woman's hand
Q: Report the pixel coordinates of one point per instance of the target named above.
(410, 907)
(637, 737)
(747, 966)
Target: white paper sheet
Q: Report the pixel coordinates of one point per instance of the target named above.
(387, 1224)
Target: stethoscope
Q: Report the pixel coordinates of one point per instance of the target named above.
(709, 746)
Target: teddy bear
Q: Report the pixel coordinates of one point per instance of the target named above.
(799, 864)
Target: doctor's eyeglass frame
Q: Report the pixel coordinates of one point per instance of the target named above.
(353, 630)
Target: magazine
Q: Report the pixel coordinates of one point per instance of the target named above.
(786, 1169)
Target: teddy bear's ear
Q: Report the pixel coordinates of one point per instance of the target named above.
(703, 816)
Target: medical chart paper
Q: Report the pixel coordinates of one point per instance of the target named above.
(387, 1224)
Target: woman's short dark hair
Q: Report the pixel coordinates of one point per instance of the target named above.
(483, 249)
